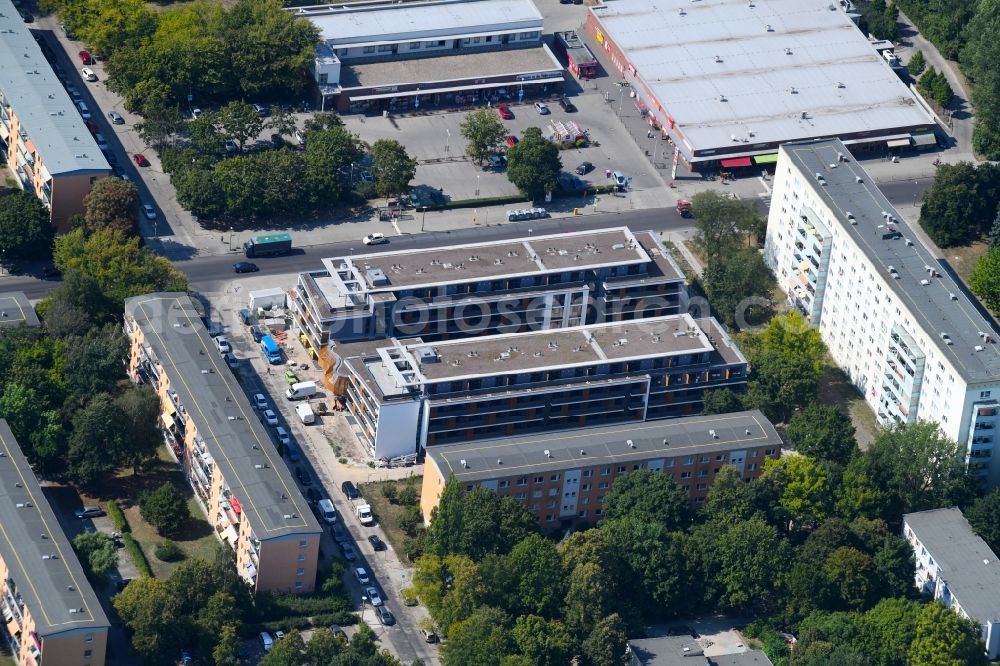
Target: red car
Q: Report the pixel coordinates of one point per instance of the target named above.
(511, 141)
(92, 126)
(505, 112)
(86, 58)
(140, 160)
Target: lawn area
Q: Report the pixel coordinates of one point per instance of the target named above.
(963, 259)
(835, 388)
(196, 538)
(388, 514)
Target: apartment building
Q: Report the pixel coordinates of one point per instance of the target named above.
(957, 568)
(48, 149)
(562, 477)
(51, 616)
(405, 395)
(221, 445)
(517, 285)
(16, 311)
(420, 54)
(902, 328)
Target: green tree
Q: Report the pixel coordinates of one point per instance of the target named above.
(227, 649)
(983, 515)
(823, 432)
(483, 639)
(859, 493)
(943, 638)
(850, 571)
(979, 58)
(148, 607)
(240, 122)
(786, 361)
(286, 652)
(408, 495)
(605, 646)
(451, 587)
(390, 492)
(485, 133)
(544, 643)
(802, 487)
(97, 552)
(140, 408)
(917, 64)
(119, 266)
(395, 168)
(534, 165)
(952, 212)
(281, 122)
(649, 496)
(985, 279)
(111, 203)
(328, 150)
(159, 124)
(919, 467)
(25, 230)
(656, 573)
(534, 577)
(206, 133)
(721, 401)
(730, 498)
(739, 288)
(888, 629)
(36, 425)
(92, 362)
(323, 647)
(199, 192)
(165, 508)
(96, 440)
(724, 224)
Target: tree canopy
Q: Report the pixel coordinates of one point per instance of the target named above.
(25, 231)
(534, 165)
(485, 133)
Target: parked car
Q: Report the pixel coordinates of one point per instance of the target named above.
(231, 146)
(102, 145)
(256, 332)
(497, 162)
(375, 239)
(542, 108)
(505, 112)
(245, 267)
(337, 631)
(362, 576)
(260, 401)
(140, 160)
(377, 544)
(92, 126)
(86, 58)
(279, 634)
(270, 418)
(339, 535)
(223, 344)
(196, 113)
(350, 490)
(90, 511)
(566, 105)
(266, 641)
(291, 377)
(261, 110)
(348, 551)
(373, 596)
(511, 141)
(231, 360)
(385, 617)
(303, 476)
(429, 636)
(84, 110)
(584, 168)
(116, 118)
(286, 441)
(149, 212)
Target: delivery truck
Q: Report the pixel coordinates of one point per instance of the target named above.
(270, 245)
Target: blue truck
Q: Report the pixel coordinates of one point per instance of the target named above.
(270, 349)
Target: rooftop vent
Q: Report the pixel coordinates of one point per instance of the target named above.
(631, 444)
(768, 28)
(925, 282)
(499, 461)
(722, 98)
(464, 463)
(979, 348)
(664, 441)
(713, 434)
(582, 452)
(794, 91)
(840, 84)
(788, 52)
(748, 432)
(682, 12)
(952, 296)
(909, 242)
(946, 338)
(718, 58)
(548, 454)
(858, 179)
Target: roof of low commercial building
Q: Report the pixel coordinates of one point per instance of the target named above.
(15, 310)
(228, 424)
(388, 20)
(668, 651)
(603, 445)
(967, 564)
(43, 107)
(748, 658)
(36, 552)
(736, 73)
(940, 307)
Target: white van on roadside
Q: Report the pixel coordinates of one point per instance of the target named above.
(326, 511)
(301, 391)
(305, 413)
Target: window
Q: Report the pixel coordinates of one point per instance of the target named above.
(536, 494)
(703, 459)
(671, 462)
(599, 512)
(87, 654)
(302, 558)
(984, 394)
(539, 479)
(751, 467)
(583, 514)
(606, 471)
(523, 481)
(753, 454)
(468, 488)
(519, 496)
(89, 638)
(585, 501)
(302, 543)
(587, 473)
(701, 486)
(414, 46)
(603, 486)
(554, 477)
(505, 484)
(549, 518)
(769, 452)
(299, 585)
(300, 572)
(369, 49)
(586, 487)
(689, 460)
(685, 475)
(551, 504)
(324, 79)
(553, 492)
(720, 457)
(440, 42)
(621, 469)
(385, 48)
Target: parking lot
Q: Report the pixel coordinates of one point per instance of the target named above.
(318, 462)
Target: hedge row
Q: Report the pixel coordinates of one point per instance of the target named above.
(139, 557)
(300, 622)
(117, 517)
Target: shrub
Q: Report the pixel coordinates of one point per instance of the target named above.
(409, 520)
(168, 551)
(138, 557)
(389, 491)
(409, 595)
(365, 190)
(165, 508)
(917, 64)
(97, 553)
(408, 495)
(117, 517)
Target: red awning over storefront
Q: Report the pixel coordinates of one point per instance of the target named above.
(736, 162)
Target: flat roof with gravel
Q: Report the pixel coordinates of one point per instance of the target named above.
(16, 310)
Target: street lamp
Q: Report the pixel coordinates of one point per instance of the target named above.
(364, 600)
(423, 217)
(230, 239)
(352, 251)
(477, 184)
(529, 232)
(621, 98)
(447, 139)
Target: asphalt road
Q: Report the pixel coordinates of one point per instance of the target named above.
(209, 274)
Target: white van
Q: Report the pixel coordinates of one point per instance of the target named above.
(301, 391)
(305, 413)
(327, 512)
